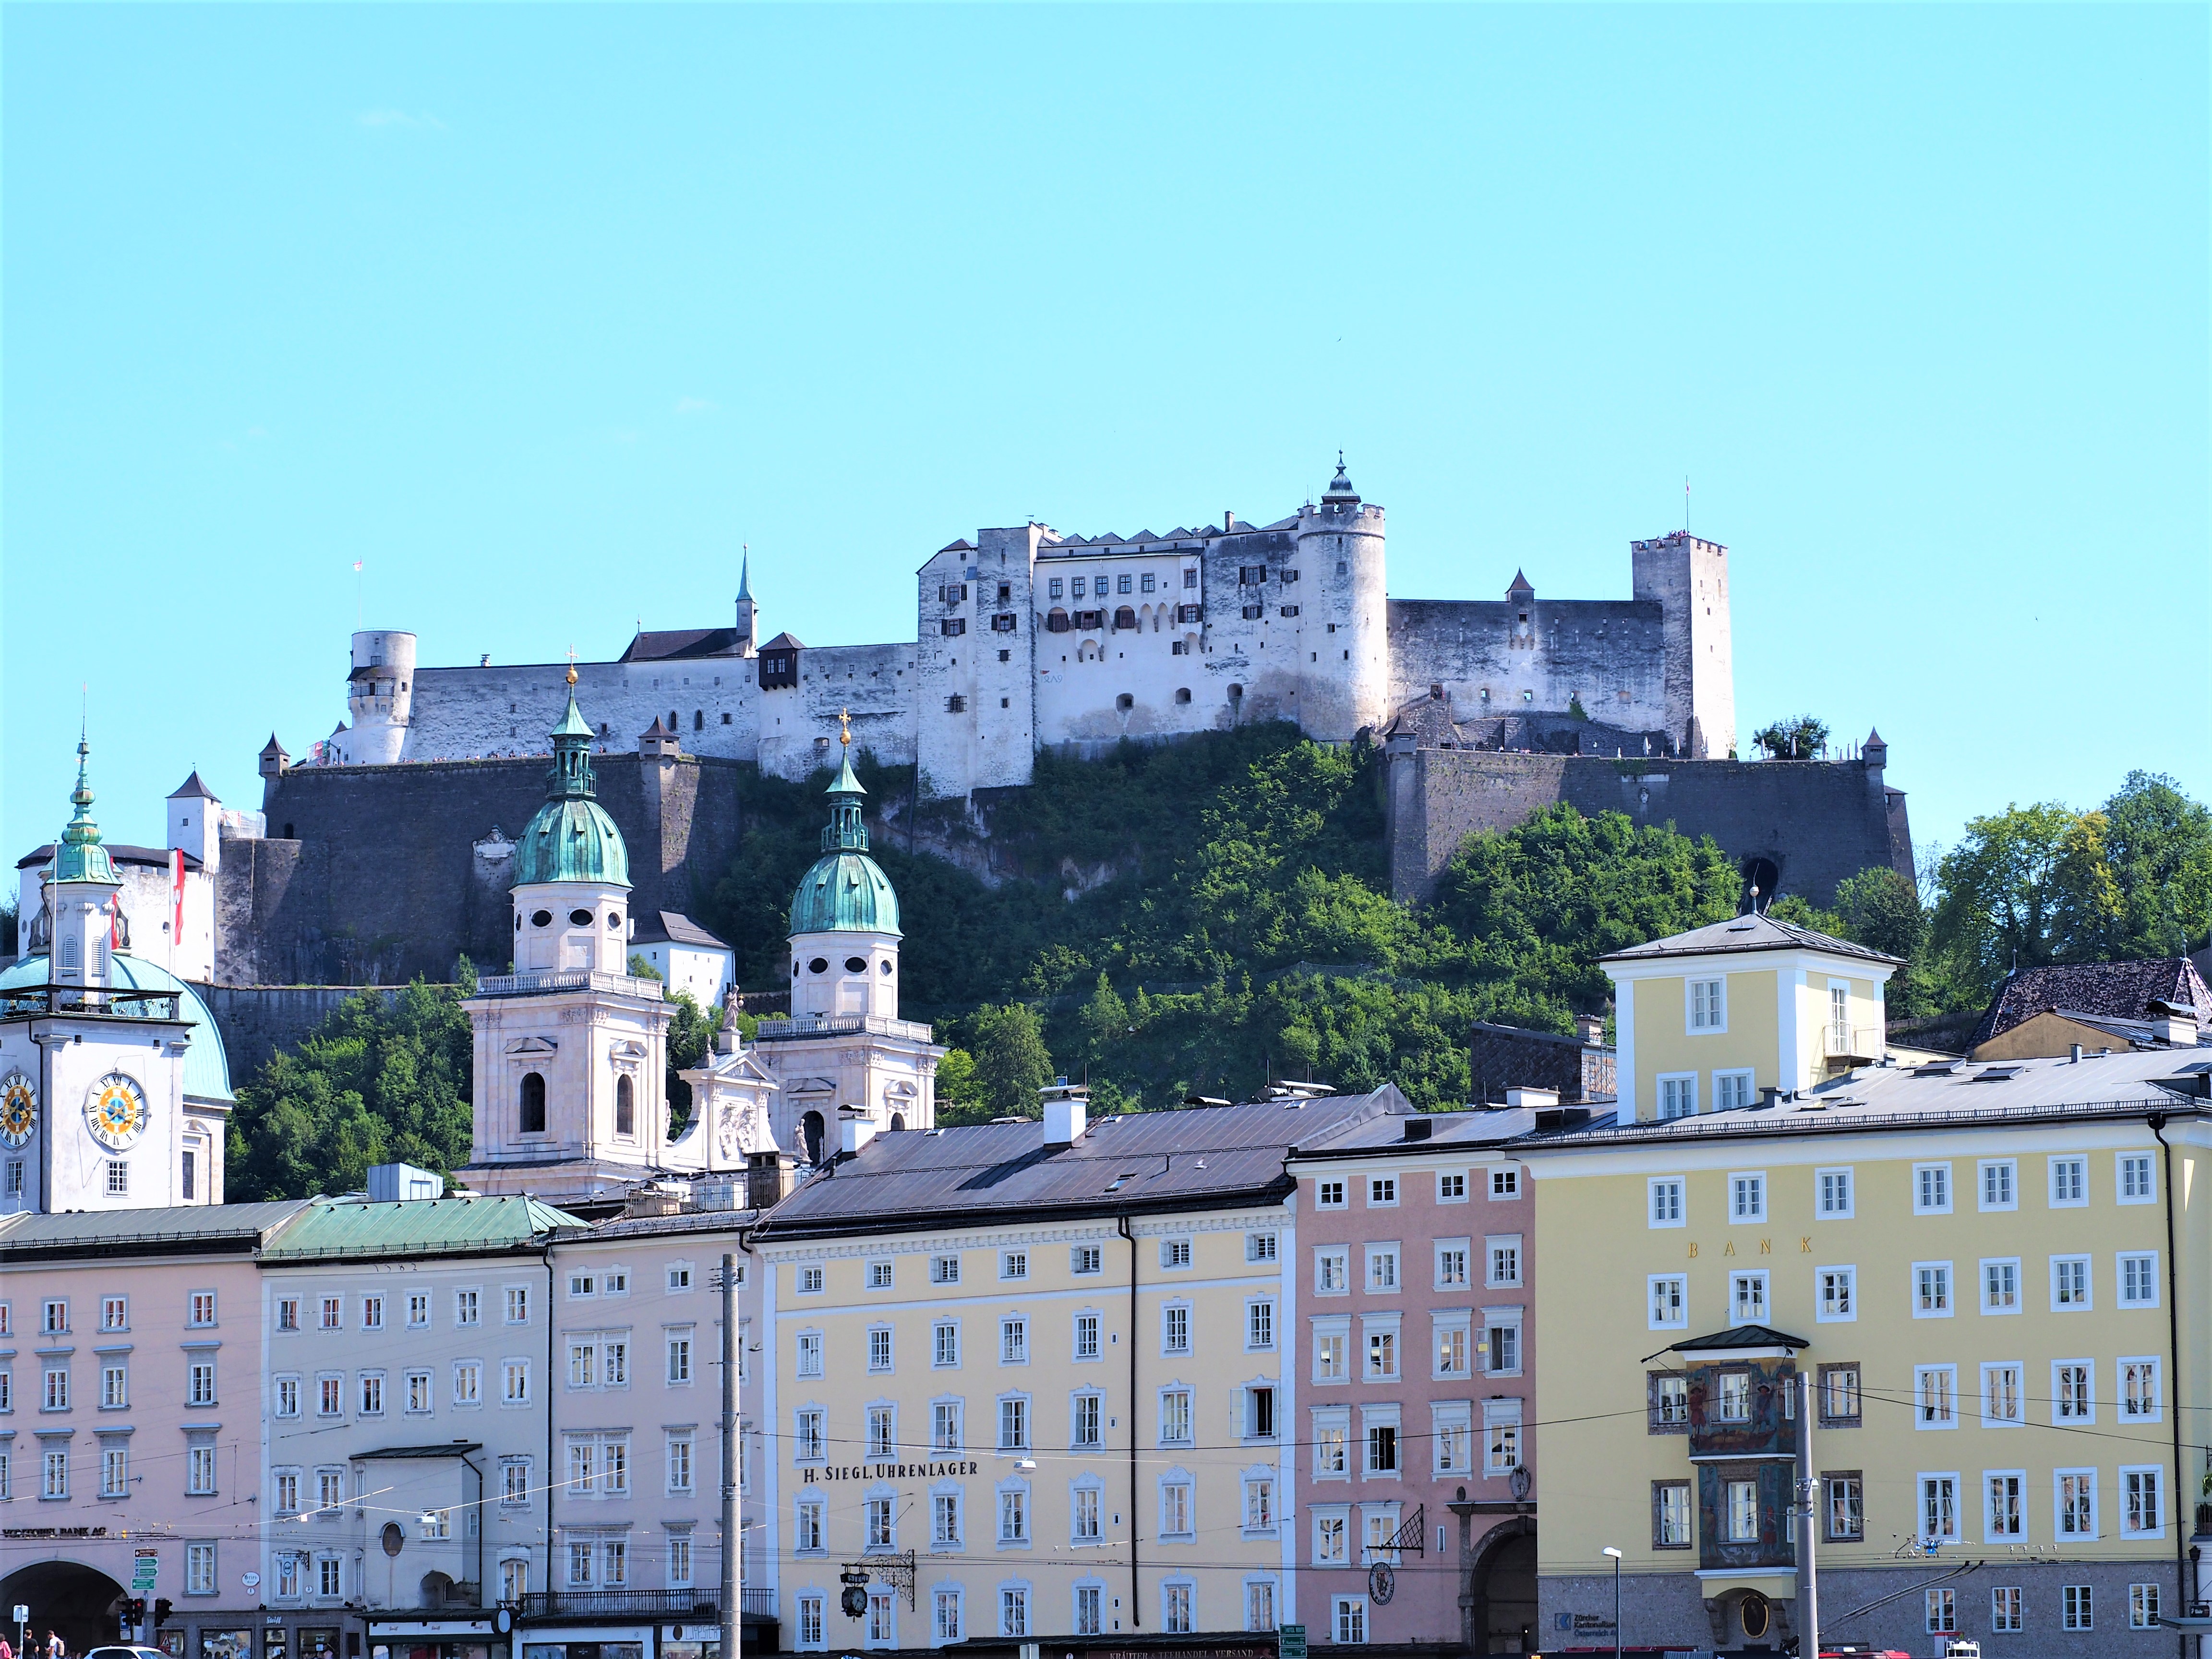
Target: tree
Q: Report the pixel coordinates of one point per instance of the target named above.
(1105, 1022)
(1881, 909)
(2158, 843)
(1801, 739)
(691, 1039)
(959, 1091)
(384, 1078)
(1011, 1061)
(2024, 887)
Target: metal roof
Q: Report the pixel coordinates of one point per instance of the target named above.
(674, 927)
(1744, 933)
(1195, 1157)
(447, 1448)
(1425, 1132)
(184, 1225)
(646, 1226)
(1741, 1336)
(2101, 990)
(416, 1226)
(207, 1068)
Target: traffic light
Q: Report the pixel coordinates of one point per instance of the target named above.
(134, 1610)
(161, 1611)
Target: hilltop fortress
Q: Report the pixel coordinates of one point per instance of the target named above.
(1026, 639)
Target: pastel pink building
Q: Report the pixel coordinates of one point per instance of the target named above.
(1415, 1291)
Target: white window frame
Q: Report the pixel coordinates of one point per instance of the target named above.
(1982, 1282)
(1491, 1247)
(1721, 1090)
(2079, 1163)
(1932, 1193)
(2120, 1161)
(1921, 1484)
(1663, 1194)
(1738, 1214)
(1825, 1312)
(2120, 1297)
(1984, 1169)
(2019, 1370)
(2088, 1277)
(1946, 1278)
(1679, 1299)
(1684, 1092)
(1445, 1195)
(2088, 1414)
(1340, 1256)
(1848, 1179)
(2059, 1510)
(2156, 1473)
(1762, 1279)
(2120, 1369)
(1460, 1323)
(1921, 1376)
(1990, 1532)
(1717, 1026)
(1439, 1256)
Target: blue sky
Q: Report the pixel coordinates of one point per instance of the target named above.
(540, 312)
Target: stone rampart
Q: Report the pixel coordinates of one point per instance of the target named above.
(1815, 822)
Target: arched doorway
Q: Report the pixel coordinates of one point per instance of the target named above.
(1502, 1582)
(809, 1130)
(77, 1600)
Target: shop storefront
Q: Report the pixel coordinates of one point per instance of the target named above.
(587, 1642)
(483, 1636)
(322, 1633)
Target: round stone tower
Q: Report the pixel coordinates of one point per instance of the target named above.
(1345, 680)
(571, 869)
(844, 917)
(380, 696)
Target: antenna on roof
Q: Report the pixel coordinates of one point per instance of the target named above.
(1686, 503)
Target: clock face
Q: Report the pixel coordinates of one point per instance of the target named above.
(18, 1109)
(116, 1110)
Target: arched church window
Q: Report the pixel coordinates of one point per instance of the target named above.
(810, 1131)
(899, 1121)
(625, 1107)
(856, 964)
(533, 1103)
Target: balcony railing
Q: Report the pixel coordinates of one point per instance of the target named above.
(756, 1603)
(120, 1001)
(689, 1605)
(807, 1025)
(1854, 1041)
(567, 979)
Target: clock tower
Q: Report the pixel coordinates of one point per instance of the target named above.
(99, 1107)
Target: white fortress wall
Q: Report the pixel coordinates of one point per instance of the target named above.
(1608, 653)
(797, 725)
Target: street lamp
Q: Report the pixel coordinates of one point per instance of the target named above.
(1615, 1554)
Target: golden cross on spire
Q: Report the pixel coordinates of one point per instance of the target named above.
(572, 665)
(845, 727)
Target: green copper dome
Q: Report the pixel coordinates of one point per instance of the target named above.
(846, 891)
(81, 857)
(571, 838)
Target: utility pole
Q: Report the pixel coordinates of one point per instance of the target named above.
(732, 1539)
(1808, 1519)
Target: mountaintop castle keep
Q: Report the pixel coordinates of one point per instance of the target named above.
(1026, 639)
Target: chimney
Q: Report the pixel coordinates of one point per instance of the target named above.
(2074, 1055)
(769, 1177)
(1590, 1027)
(2175, 1030)
(1532, 1098)
(1066, 1112)
(860, 1130)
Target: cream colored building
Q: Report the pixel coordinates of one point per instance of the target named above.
(1037, 1380)
(1975, 1265)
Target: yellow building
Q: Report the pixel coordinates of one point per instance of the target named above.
(1031, 1380)
(1974, 1266)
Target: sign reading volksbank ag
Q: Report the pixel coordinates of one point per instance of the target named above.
(888, 1472)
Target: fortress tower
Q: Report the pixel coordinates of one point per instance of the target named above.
(1687, 577)
(379, 698)
(1339, 555)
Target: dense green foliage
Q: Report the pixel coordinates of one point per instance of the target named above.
(1801, 738)
(1199, 918)
(384, 1079)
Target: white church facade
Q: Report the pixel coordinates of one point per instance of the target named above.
(1027, 638)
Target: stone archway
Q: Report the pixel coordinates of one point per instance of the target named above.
(1499, 1591)
(79, 1601)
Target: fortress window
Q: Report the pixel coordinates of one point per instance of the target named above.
(1055, 587)
(580, 918)
(1252, 575)
(541, 918)
(1078, 587)
(1006, 656)
(953, 627)
(1190, 613)
(952, 593)
(1290, 611)
(856, 964)
(604, 729)
(1339, 566)
(1235, 691)
(1057, 623)
(726, 717)
(1177, 648)
(1121, 584)
(1252, 612)
(1148, 583)
(819, 965)
(625, 1107)
(1125, 702)
(1004, 702)
(1290, 576)
(1125, 617)
(956, 704)
(518, 924)
(1190, 577)
(288, 835)
(1003, 623)
(698, 719)
(1005, 592)
(533, 1103)
(1182, 692)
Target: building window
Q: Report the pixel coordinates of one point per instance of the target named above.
(2005, 1608)
(1451, 1264)
(2139, 1390)
(1748, 1197)
(1014, 1340)
(2000, 1183)
(1708, 1004)
(809, 1621)
(1835, 1194)
(945, 1344)
(2074, 1608)
(1174, 1609)
(879, 1348)
(1014, 1425)
(1734, 1404)
(2073, 1391)
(1931, 1190)
(1175, 1334)
(2006, 1517)
(1328, 1194)
(1836, 1300)
(1175, 1253)
(1935, 1396)
(1678, 1095)
(1747, 1291)
(1350, 1617)
(2000, 1286)
(2142, 1514)
(1941, 1607)
(1666, 1193)
(2001, 1395)
(2135, 1179)
(944, 1270)
(1668, 1403)
(1175, 1417)
(1846, 1506)
(1939, 1506)
(1670, 1514)
(1259, 1604)
(1086, 1336)
(1931, 1289)
(2069, 1283)
(1259, 1325)
(2139, 1280)
(1503, 1342)
(199, 1570)
(1382, 1448)
(2069, 1182)
(1014, 1610)
(2142, 1607)
(532, 1104)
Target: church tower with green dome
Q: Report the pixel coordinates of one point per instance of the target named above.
(849, 1068)
(571, 1095)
